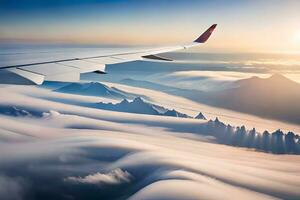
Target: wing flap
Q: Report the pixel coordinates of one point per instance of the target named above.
(21, 76)
(70, 76)
(49, 69)
(54, 72)
(85, 66)
(156, 57)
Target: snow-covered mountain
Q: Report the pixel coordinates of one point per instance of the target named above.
(200, 116)
(138, 105)
(174, 113)
(94, 89)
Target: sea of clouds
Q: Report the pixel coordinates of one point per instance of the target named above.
(59, 148)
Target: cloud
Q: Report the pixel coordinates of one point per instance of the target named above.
(10, 188)
(65, 149)
(50, 114)
(116, 176)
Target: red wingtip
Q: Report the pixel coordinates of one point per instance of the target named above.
(204, 37)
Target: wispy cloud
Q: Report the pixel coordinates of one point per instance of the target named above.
(116, 176)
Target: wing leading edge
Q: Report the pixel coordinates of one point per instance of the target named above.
(68, 69)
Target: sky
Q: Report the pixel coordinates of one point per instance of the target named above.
(243, 26)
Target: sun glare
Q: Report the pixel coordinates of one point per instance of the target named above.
(297, 37)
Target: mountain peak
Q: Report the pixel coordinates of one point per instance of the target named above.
(278, 76)
(174, 113)
(92, 89)
(274, 82)
(200, 116)
(99, 84)
(138, 105)
(283, 81)
(124, 101)
(138, 100)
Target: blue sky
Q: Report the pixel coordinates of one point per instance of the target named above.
(248, 25)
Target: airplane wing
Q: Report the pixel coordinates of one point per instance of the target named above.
(36, 67)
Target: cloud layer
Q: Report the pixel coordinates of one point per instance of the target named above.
(69, 151)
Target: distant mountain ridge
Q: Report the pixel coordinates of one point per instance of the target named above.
(138, 105)
(275, 97)
(147, 84)
(94, 89)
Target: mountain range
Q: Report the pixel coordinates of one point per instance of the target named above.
(138, 105)
(95, 89)
(275, 97)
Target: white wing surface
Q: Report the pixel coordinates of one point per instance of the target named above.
(37, 66)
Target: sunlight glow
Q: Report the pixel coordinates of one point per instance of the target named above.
(296, 38)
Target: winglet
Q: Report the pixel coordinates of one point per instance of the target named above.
(204, 37)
